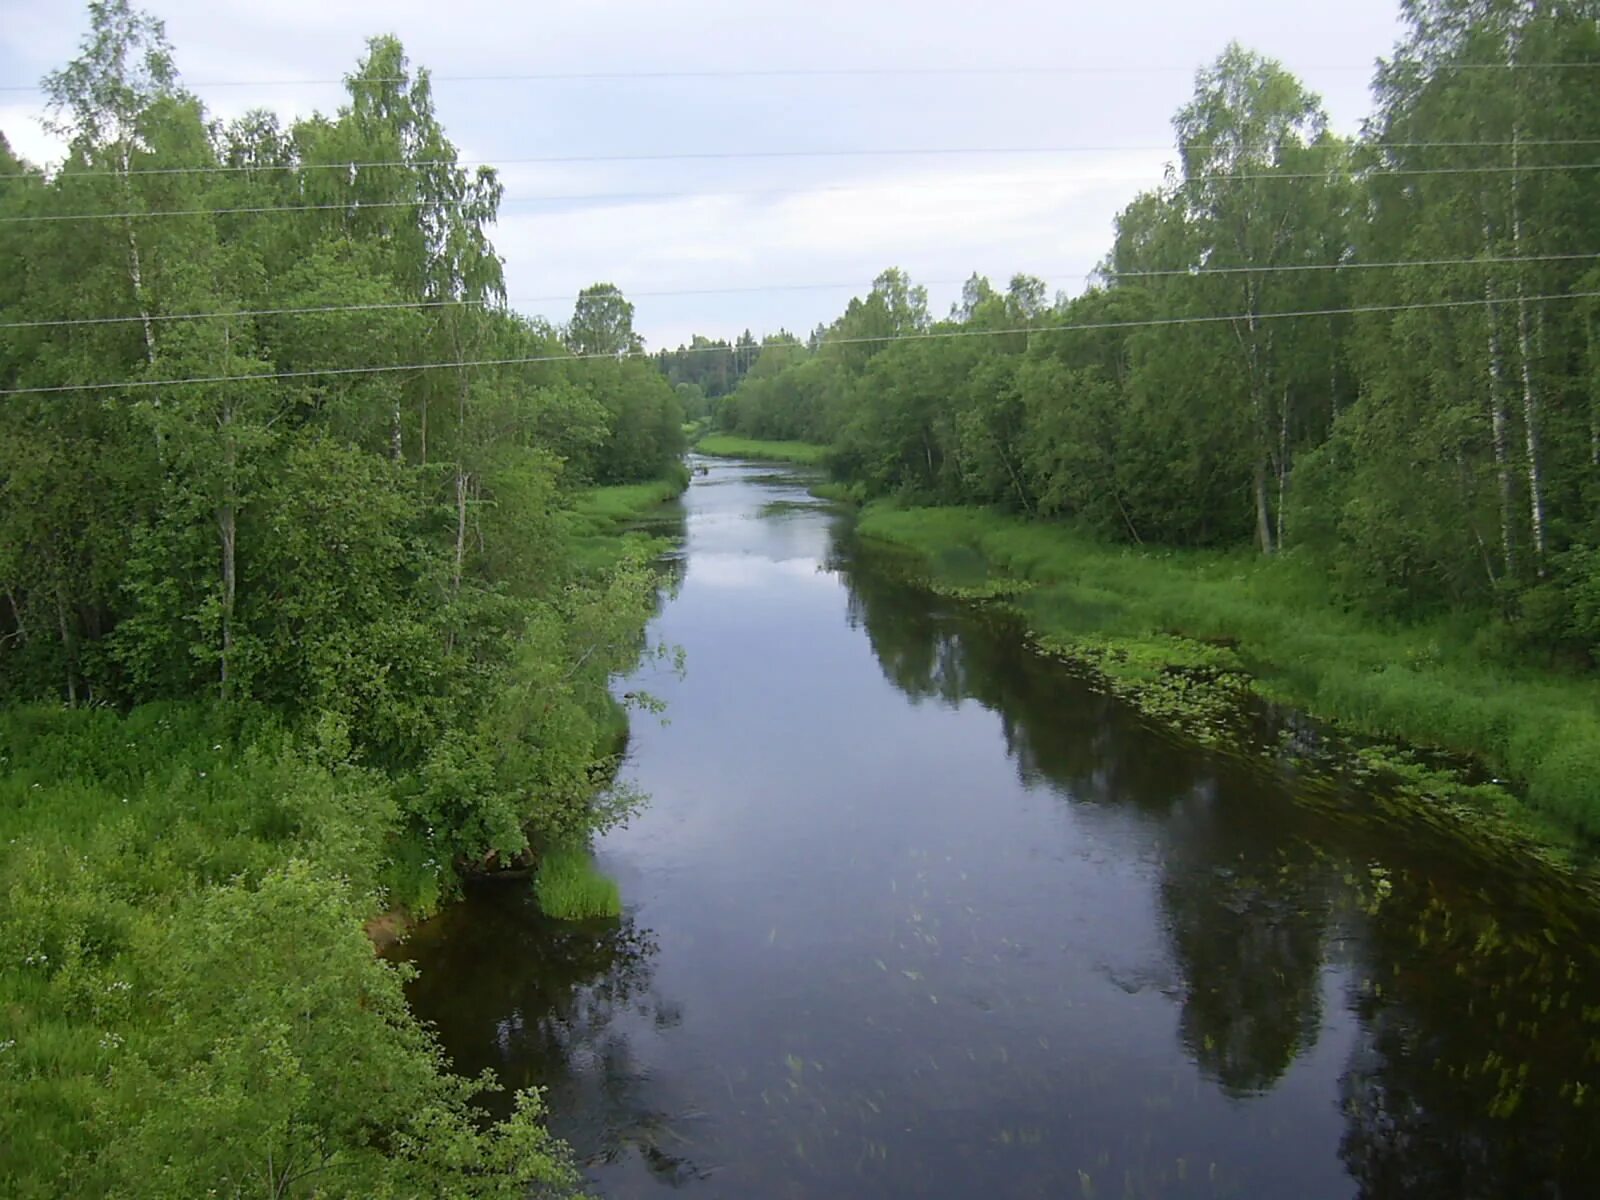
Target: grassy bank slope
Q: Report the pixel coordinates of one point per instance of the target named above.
(602, 509)
(188, 1004)
(725, 446)
(599, 514)
(1269, 625)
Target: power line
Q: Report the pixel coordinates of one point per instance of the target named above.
(842, 72)
(1175, 272)
(727, 155)
(529, 360)
(592, 197)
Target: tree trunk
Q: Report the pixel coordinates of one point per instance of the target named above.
(19, 626)
(227, 532)
(1530, 421)
(1283, 462)
(1016, 482)
(1263, 513)
(1594, 426)
(1258, 422)
(461, 525)
(1498, 422)
(1530, 396)
(136, 275)
(227, 525)
(69, 647)
(135, 267)
(461, 474)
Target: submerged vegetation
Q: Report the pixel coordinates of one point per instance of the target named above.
(1186, 634)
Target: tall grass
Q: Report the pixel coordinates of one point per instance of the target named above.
(599, 509)
(599, 514)
(1423, 683)
(724, 445)
(178, 833)
(570, 887)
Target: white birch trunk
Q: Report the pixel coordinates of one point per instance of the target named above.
(1498, 423)
(227, 525)
(135, 266)
(1530, 395)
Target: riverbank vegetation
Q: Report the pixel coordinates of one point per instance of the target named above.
(722, 445)
(1213, 626)
(571, 888)
(1373, 365)
(301, 622)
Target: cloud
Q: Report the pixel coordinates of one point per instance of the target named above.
(21, 125)
(939, 223)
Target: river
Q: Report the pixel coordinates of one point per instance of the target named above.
(915, 913)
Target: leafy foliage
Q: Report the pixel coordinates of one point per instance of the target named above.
(188, 1002)
(1426, 459)
(345, 605)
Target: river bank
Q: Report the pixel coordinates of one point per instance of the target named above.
(722, 445)
(1185, 635)
(184, 881)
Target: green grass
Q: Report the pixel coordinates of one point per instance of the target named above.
(599, 514)
(601, 509)
(724, 445)
(1270, 626)
(570, 888)
(841, 493)
(183, 887)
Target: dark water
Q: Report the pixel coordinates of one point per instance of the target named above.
(912, 913)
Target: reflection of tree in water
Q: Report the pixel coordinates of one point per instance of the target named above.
(920, 653)
(1477, 1068)
(556, 1005)
(1477, 1073)
(1246, 912)
(1246, 904)
(1077, 738)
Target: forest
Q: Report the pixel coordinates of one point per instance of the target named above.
(1373, 363)
(1431, 430)
(297, 627)
(314, 583)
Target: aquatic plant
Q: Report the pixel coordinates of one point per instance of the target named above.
(570, 887)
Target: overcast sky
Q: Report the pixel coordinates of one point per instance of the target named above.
(758, 223)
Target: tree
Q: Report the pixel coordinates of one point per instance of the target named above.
(602, 323)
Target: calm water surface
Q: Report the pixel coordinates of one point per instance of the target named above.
(914, 913)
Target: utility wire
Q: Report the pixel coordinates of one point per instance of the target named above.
(357, 205)
(528, 360)
(813, 73)
(726, 155)
(1175, 272)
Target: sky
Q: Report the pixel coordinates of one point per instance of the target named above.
(770, 230)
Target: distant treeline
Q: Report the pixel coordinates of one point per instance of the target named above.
(1428, 428)
(708, 369)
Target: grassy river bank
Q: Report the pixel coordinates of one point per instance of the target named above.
(188, 890)
(1186, 635)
